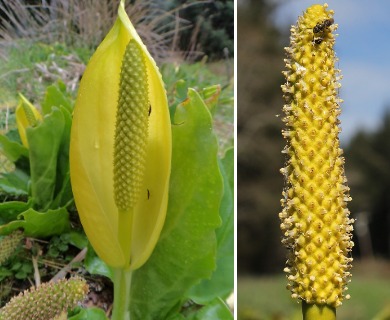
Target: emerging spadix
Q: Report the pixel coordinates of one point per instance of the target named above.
(26, 116)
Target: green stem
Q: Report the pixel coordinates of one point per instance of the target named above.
(318, 312)
(125, 225)
(122, 284)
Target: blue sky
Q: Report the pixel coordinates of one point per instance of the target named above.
(363, 47)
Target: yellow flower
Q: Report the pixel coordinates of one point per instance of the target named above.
(315, 219)
(26, 116)
(120, 153)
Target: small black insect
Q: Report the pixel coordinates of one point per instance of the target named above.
(150, 110)
(320, 27)
(328, 22)
(148, 193)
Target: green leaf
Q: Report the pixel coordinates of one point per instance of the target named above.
(94, 265)
(11, 149)
(181, 89)
(16, 266)
(78, 239)
(222, 281)
(211, 96)
(27, 267)
(44, 142)
(23, 270)
(228, 165)
(87, 314)
(176, 316)
(53, 252)
(15, 182)
(56, 97)
(216, 310)
(39, 224)
(186, 251)
(21, 275)
(63, 247)
(10, 210)
(63, 191)
(13, 134)
(4, 273)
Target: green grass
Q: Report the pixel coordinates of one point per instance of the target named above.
(266, 298)
(29, 67)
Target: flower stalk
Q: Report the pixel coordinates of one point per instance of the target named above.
(122, 285)
(318, 311)
(315, 219)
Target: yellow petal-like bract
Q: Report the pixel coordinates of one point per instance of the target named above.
(26, 116)
(315, 219)
(120, 154)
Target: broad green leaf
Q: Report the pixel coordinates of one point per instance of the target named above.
(10, 210)
(4, 273)
(228, 165)
(186, 251)
(211, 96)
(15, 182)
(222, 281)
(44, 142)
(55, 97)
(177, 316)
(11, 149)
(94, 265)
(39, 224)
(77, 239)
(181, 89)
(63, 191)
(13, 135)
(216, 310)
(88, 314)
(64, 197)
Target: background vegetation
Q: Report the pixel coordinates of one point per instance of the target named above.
(261, 257)
(213, 27)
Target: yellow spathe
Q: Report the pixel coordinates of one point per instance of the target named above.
(121, 238)
(26, 116)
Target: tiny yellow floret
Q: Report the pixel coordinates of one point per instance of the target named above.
(315, 219)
